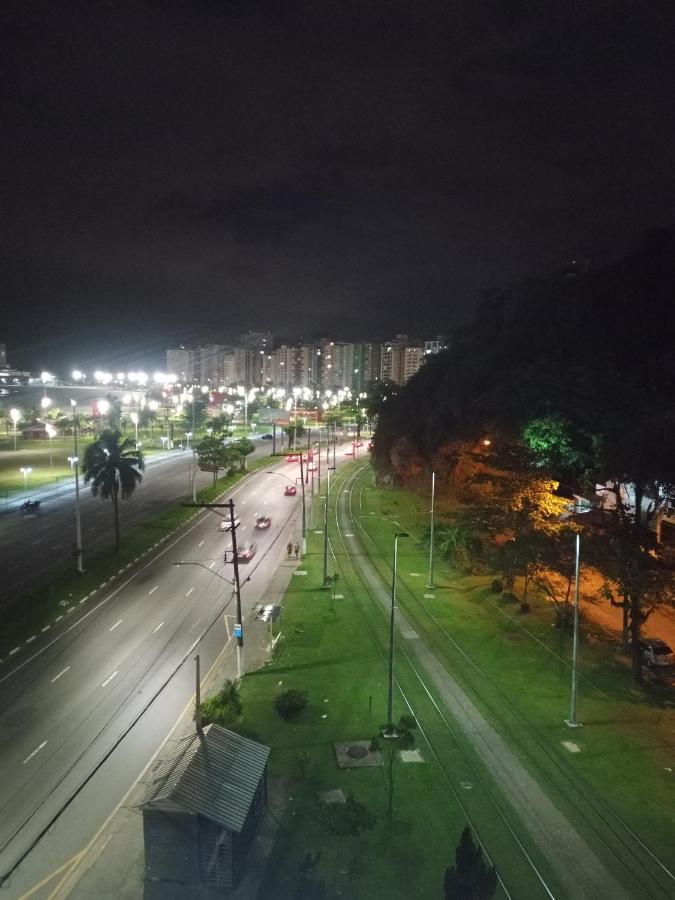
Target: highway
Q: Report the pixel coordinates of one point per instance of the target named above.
(34, 546)
(68, 703)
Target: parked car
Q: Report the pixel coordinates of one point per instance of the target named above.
(656, 652)
(290, 490)
(263, 522)
(349, 453)
(30, 506)
(226, 525)
(293, 457)
(266, 437)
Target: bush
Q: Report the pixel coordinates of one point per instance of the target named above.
(290, 703)
(224, 708)
(496, 586)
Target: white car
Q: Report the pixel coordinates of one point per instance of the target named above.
(656, 652)
(226, 525)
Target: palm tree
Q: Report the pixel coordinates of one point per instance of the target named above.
(113, 467)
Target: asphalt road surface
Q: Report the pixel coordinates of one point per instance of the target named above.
(33, 546)
(68, 701)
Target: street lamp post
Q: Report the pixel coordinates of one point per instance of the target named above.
(304, 513)
(134, 418)
(25, 471)
(572, 721)
(15, 416)
(390, 731)
(103, 410)
(78, 523)
(430, 580)
(51, 431)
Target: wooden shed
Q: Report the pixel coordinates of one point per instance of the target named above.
(202, 808)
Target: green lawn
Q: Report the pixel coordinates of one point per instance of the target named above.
(517, 670)
(36, 455)
(336, 655)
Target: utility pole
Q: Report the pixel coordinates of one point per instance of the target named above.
(326, 581)
(194, 455)
(78, 523)
(390, 730)
(274, 438)
(572, 721)
(239, 624)
(304, 518)
(430, 580)
(198, 697)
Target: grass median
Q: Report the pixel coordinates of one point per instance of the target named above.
(40, 607)
(337, 653)
(618, 768)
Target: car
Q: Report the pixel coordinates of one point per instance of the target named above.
(313, 467)
(370, 446)
(656, 652)
(263, 522)
(226, 525)
(349, 453)
(293, 458)
(290, 490)
(266, 437)
(246, 554)
(359, 443)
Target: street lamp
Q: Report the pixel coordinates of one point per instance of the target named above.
(572, 721)
(74, 460)
(25, 471)
(188, 435)
(430, 580)
(390, 731)
(15, 416)
(103, 410)
(134, 418)
(51, 431)
(302, 483)
(45, 402)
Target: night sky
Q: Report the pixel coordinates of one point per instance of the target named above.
(184, 171)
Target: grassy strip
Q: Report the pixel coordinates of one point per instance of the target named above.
(63, 593)
(335, 655)
(626, 746)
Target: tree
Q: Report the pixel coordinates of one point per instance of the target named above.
(214, 455)
(241, 449)
(114, 469)
(470, 878)
(293, 432)
(221, 423)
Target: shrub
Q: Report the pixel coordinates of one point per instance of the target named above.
(290, 703)
(224, 708)
(496, 586)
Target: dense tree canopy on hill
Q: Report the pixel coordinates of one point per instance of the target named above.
(577, 375)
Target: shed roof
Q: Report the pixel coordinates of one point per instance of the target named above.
(215, 775)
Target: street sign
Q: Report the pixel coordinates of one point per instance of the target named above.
(237, 630)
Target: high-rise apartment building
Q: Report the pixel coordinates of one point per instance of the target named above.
(179, 362)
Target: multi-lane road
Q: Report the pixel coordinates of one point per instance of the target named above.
(66, 704)
(33, 546)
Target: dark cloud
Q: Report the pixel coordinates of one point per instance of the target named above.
(198, 168)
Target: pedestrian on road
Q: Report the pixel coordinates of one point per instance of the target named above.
(289, 549)
(296, 549)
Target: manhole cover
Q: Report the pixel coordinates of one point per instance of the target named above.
(357, 752)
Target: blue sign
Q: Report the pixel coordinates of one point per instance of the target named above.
(238, 630)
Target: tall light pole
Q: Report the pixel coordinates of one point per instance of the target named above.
(239, 624)
(134, 418)
(572, 721)
(430, 580)
(25, 471)
(103, 409)
(326, 581)
(304, 514)
(15, 416)
(51, 431)
(78, 523)
(390, 731)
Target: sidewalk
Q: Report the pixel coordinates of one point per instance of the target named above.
(113, 866)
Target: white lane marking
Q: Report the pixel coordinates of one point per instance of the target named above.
(39, 541)
(153, 590)
(55, 547)
(109, 678)
(62, 672)
(212, 565)
(189, 592)
(157, 627)
(118, 622)
(37, 750)
(200, 543)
